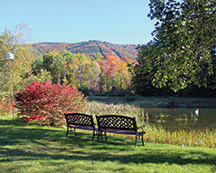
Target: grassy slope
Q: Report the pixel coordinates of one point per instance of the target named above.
(46, 149)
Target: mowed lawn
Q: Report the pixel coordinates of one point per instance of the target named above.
(26, 148)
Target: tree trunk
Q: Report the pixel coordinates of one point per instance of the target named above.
(59, 75)
(65, 78)
(121, 81)
(80, 78)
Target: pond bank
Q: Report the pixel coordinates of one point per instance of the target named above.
(158, 102)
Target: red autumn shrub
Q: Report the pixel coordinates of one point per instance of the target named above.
(36, 119)
(48, 100)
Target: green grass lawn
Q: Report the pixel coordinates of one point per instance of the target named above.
(26, 148)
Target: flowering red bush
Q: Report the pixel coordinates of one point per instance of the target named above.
(37, 119)
(44, 99)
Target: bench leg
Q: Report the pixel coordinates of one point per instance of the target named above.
(99, 134)
(142, 141)
(75, 131)
(140, 138)
(93, 136)
(94, 132)
(69, 129)
(136, 141)
(105, 135)
(67, 132)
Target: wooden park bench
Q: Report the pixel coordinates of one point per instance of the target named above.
(80, 121)
(119, 124)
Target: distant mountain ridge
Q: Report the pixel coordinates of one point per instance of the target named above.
(89, 48)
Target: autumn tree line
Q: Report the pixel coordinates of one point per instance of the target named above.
(92, 75)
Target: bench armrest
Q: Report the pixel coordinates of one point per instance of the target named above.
(141, 127)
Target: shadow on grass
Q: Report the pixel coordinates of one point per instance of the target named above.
(22, 143)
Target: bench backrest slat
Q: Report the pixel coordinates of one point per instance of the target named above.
(116, 122)
(79, 119)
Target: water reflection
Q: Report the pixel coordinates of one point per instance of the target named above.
(180, 118)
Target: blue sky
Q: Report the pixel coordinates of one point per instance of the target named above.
(70, 21)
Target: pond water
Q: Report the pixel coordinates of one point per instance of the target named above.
(180, 118)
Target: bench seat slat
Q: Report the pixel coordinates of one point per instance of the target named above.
(119, 131)
(129, 132)
(132, 132)
(81, 127)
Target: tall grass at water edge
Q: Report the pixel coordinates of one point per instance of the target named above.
(199, 138)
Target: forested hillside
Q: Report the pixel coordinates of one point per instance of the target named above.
(89, 48)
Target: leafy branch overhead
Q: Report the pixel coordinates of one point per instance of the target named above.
(184, 40)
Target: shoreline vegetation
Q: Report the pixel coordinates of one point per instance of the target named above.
(157, 102)
(156, 134)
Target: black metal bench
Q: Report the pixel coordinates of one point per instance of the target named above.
(119, 124)
(80, 121)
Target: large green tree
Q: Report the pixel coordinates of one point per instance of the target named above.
(184, 37)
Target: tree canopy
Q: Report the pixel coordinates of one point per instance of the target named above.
(184, 40)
